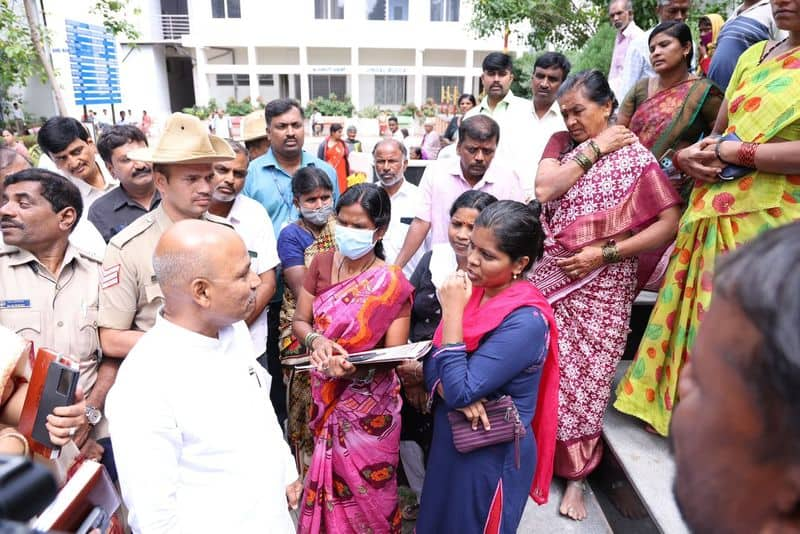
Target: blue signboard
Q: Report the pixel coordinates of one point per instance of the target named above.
(93, 61)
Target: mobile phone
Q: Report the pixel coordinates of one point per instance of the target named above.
(668, 166)
(59, 390)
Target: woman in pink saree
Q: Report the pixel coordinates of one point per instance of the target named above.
(605, 200)
(351, 301)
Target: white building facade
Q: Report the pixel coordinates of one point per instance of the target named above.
(378, 52)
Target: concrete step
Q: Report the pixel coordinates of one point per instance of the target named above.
(546, 519)
(647, 462)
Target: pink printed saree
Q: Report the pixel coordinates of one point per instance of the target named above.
(351, 485)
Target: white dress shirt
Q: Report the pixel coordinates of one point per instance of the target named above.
(196, 442)
(405, 204)
(515, 117)
(251, 221)
(543, 130)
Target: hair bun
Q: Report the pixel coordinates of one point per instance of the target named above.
(535, 207)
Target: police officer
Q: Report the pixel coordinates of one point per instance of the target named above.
(48, 286)
(182, 167)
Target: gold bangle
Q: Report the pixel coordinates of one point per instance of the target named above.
(26, 450)
(583, 161)
(611, 253)
(596, 148)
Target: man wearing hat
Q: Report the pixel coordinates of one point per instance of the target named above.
(182, 168)
(253, 130)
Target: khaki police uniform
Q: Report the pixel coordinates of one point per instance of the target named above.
(55, 312)
(130, 295)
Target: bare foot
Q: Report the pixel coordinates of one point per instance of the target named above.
(572, 504)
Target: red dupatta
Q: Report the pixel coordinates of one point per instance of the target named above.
(480, 320)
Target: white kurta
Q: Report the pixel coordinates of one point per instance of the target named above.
(196, 442)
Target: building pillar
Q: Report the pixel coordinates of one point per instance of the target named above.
(201, 91)
(305, 90)
(418, 98)
(467, 71)
(355, 95)
(252, 62)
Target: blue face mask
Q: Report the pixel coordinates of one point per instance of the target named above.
(353, 243)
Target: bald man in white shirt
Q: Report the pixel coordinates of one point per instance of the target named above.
(196, 441)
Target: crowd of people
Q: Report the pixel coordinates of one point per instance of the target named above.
(192, 281)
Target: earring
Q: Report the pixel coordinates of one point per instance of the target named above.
(515, 276)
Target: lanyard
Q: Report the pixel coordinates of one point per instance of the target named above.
(282, 193)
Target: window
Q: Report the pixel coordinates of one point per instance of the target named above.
(266, 79)
(445, 10)
(387, 9)
(434, 84)
(226, 9)
(322, 85)
(390, 90)
(328, 9)
(233, 79)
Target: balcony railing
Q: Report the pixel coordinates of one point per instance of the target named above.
(173, 26)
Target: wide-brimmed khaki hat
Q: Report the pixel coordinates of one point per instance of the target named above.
(185, 140)
(253, 126)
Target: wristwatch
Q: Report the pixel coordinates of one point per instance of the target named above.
(93, 415)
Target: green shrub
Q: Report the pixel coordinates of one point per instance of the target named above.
(370, 112)
(409, 109)
(429, 108)
(332, 106)
(596, 53)
(239, 109)
(201, 112)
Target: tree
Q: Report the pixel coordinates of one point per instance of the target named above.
(38, 43)
(16, 66)
(522, 69)
(565, 24)
(596, 53)
(24, 43)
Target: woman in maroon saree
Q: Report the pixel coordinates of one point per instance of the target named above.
(597, 185)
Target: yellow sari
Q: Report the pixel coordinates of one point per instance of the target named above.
(763, 104)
